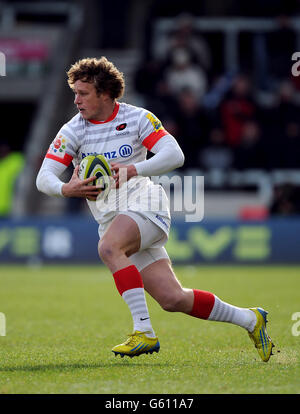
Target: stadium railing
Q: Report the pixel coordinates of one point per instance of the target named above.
(229, 27)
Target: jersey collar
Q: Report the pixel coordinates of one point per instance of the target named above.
(112, 116)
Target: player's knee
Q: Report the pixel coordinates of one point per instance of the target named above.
(173, 302)
(106, 250)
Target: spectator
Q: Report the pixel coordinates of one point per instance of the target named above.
(154, 90)
(286, 200)
(147, 78)
(250, 152)
(281, 44)
(182, 73)
(216, 154)
(236, 109)
(193, 126)
(291, 146)
(286, 107)
(11, 164)
(186, 37)
(281, 128)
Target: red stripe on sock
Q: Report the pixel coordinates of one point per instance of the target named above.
(203, 304)
(128, 278)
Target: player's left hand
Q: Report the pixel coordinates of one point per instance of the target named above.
(122, 173)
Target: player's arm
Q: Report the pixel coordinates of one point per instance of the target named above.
(59, 156)
(153, 136)
(168, 156)
(48, 181)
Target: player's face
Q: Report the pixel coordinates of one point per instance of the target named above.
(89, 104)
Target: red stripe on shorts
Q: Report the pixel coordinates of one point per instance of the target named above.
(128, 278)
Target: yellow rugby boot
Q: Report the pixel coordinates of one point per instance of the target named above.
(137, 343)
(263, 343)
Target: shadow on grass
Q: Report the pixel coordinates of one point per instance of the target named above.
(74, 366)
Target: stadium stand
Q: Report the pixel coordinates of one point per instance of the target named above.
(37, 83)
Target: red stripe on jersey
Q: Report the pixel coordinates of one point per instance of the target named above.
(66, 160)
(112, 116)
(128, 278)
(203, 304)
(152, 139)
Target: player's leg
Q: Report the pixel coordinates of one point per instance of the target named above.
(161, 283)
(120, 240)
(128, 234)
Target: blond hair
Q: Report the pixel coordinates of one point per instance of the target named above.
(101, 72)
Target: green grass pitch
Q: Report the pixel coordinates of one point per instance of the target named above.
(61, 323)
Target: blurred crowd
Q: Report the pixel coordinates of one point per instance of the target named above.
(228, 120)
(241, 119)
(245, 119)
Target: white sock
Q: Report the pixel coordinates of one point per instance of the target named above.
(136, 301)
(224, 312)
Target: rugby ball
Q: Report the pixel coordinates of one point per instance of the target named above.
(98, 166)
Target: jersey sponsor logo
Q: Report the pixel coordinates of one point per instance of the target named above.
(125, 150)
(85, 154)
(58, 146)
(123, 133)
(157, 125)
(108, 155)
(121, 127)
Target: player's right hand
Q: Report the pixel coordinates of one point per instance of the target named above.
(80, 188)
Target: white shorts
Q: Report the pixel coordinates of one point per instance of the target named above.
(153, 239)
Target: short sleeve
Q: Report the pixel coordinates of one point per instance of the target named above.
(151, 130)
(63, 147)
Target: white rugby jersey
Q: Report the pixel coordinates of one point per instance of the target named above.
(124, 137)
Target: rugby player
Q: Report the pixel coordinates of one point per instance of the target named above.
(132, 237)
